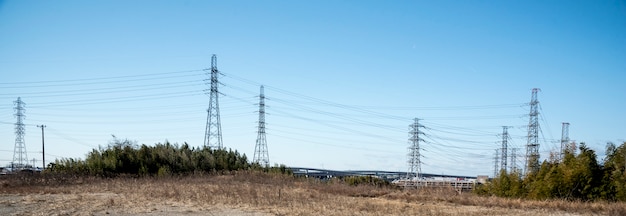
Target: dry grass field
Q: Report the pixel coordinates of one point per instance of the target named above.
(250, 193)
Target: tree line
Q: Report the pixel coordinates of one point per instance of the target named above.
(125, 157)
(575, 176)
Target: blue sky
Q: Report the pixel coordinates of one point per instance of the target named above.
(344, 78)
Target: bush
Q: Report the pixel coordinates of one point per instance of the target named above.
(124, 157)
(575, 177)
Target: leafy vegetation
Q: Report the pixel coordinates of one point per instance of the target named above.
(124, 157)
(576, 177)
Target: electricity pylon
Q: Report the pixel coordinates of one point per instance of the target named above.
(213, 132)
(20, 159)
(261, 155)
(505, 149)
(415, 163)
(532, 146)
(564, 139)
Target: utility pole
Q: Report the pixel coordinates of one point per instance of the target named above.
(415, 163)
(505, 140)
(213, 132)
(20, 159)
(43, 148)
(532, 146)
(564, 139)
(261, 154)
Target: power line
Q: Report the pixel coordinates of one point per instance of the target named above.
(456, 118)
(109, 90)
(320, 101)
(367, 108)
(67, 137)
(466, 107)
(4, 150)
(117, 99)
(432, 137)
(21, 84)
(459, 128)
(343, 139)
(334, 115)
(442, 140)
(333, 145)
(325, 123)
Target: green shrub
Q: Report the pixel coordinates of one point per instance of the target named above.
(124, 157)
(575, 177)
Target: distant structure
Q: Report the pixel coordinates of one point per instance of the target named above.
(505, 141)
(20, 159)
(213, 132)
(415, 163)
(514, 161)
(496, 162)
(532, 146)
(43, 147)
(261, 155)
(564, 139)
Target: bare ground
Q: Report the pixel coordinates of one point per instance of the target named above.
(258, 194)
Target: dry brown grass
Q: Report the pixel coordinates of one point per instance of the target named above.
(468, 199)
(257, 193)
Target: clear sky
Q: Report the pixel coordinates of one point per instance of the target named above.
(344, 79)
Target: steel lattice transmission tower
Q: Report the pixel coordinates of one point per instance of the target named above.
(213, 132)
(261, 155)
(20, 159)
(496, 161)
(532, 146)
(564, 139)
(415, 163)
(505, 141)
(514, 160)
